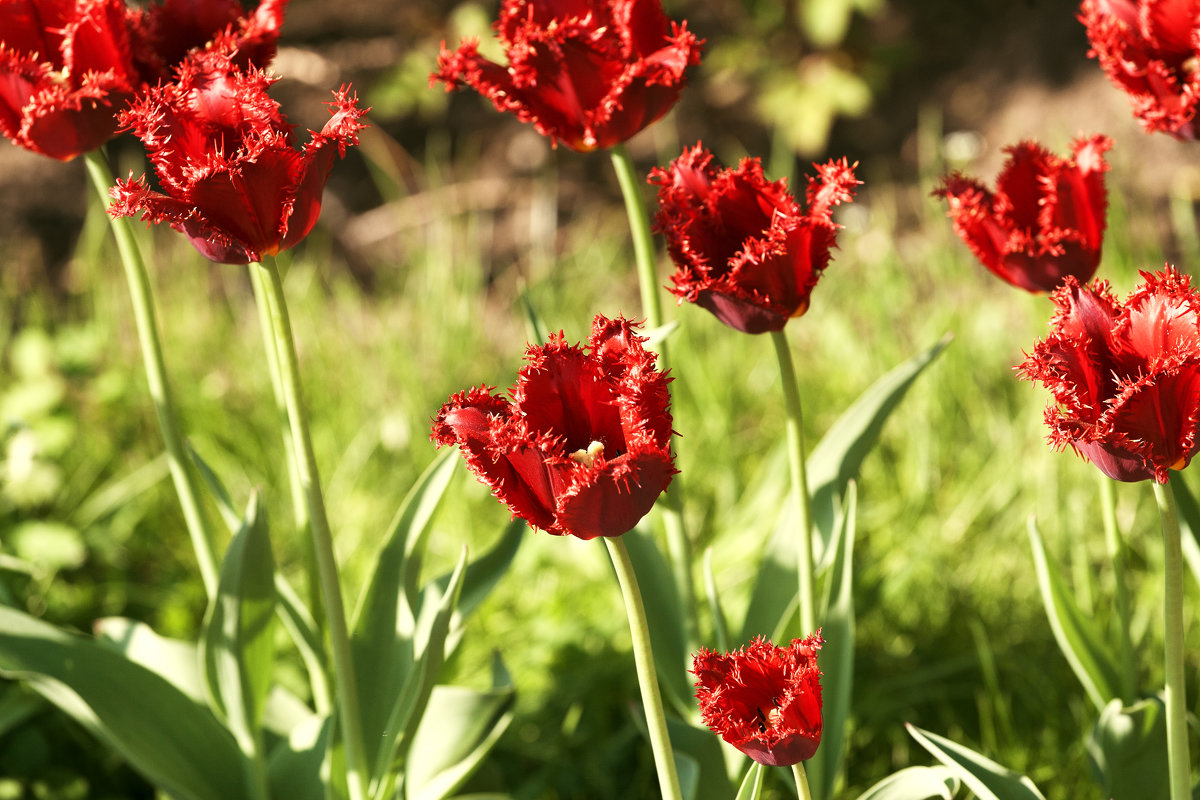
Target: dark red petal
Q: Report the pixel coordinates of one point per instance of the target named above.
(613, 500)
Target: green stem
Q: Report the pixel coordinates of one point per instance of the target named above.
(795, 446)
(326, 562)
(1116, 555)
(262, 302)
(643, 658)
(643, 251)
(801, 777)
(1175, 690)
(146, 322)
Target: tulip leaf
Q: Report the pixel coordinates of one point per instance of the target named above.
(481, 577)
(17, 705)
(294, 767)
(1128, 747)
(987, 779)
(1189, 521)
(174, 660)
(720, 625)
(915, 783)
(706, 753)
(385, 621)
(458, 729)
(752, 784)
(405, 707)
(831, 465)
(1077, 637)
(664, 617)
(837, 655)
(175, 742)
(237, 647)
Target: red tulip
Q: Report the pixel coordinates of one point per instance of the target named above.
(68, 67)
(1150, 49)
(163, 34)
(223, 153)
(762, 699)
(1125, 377)
(583, 448)
(587, 73)
(1045, 220)
(65, 71)
(742, 246)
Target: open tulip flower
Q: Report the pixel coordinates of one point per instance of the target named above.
(1125, 377)
(223, 153)
(762, 699)
(742, 246)
(1045, 220)
(66, 68)
(583, 448)
(587, 73)
(1150, 49)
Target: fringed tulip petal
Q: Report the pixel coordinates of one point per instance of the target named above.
(1125, 377)
(583, 447)
(743, 248)
(1045, 220)
(588, 73)
(762, 699)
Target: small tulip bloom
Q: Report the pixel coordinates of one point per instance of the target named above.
(1125, 377)
(1151, 49)
(65, 70)
(583, 448)
(1045, 220)
(742, 246)
(762, 699)
(587, 73)
(232, 180)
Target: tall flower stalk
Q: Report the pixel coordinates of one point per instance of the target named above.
(797, 469)
(145, 319)
(643, 657)
(1179, 764)
(643, 250)
(357, 773)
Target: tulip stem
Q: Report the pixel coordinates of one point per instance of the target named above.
(299, 505)
(643, 251)
(801, 777)
(1175, 689)
(178, 458)
(795, 447)
(643, 658)
(1116, 555)
(322, 539)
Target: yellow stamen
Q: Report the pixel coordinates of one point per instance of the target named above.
(588, 457)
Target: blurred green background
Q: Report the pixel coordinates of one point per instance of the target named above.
(409, 291)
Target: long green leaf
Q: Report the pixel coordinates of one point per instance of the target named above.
(706, 752)
(831, 464)
(987, 779)
(385, 620)
(1077, 637)
(752, 784)
(1128, 746)
(664, 616)
(915, 783)
(174, 660)
(176, 743)
(837, 656)
(237, 647)
(1189, 521)
(406, 706)
(481, 577)
(294, 768)
(459, 727)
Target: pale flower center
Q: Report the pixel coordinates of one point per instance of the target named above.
(588, 457)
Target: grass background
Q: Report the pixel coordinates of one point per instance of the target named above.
(951, 634)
